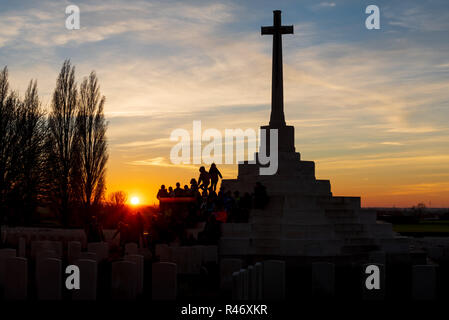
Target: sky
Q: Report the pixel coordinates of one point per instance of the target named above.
(370, 107)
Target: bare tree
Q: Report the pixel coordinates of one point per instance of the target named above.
(118, 199)
(62, 140)
(92, 153)
(9, 103)
(30, 128)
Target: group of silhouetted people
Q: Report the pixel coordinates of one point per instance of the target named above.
(206, 183)
(206, 205)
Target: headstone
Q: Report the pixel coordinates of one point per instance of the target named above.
(196, 258)
(45, 254)
(323, 279)
(22, 247)
(101, 249)
(369, 281)
(73, 251)
(138, 260)
(273, 280)
(37, 246)
(227, 268)
(4, 255)
(163, 252)
(124, 280)
(252, 283)
(16, 282)
(258, 269)
(88, 256)
(180, 256)
(131, 248)
(48, 279)
(237, 286)
(146, 253)
(244, 280)
(424, 282)
(88, 280)
(164, 281)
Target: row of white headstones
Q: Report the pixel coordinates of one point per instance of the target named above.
(266, 281)
(127, 276)
(261, 281)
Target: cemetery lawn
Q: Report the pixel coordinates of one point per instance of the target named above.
(440, 226)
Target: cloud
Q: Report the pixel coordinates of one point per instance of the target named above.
(392, 143)
(419, 18)
(323, 5)
(161, 162)
(162, 65)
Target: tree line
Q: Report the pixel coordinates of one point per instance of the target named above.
(54, 159)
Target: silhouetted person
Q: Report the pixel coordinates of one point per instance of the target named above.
(94, 232)
(193, 184)
(171, 193)
(178, 191)
(123, 231)
(187, 192)
(162, 193)
(215, 174)
(204, 179)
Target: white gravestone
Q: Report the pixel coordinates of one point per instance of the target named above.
(49, 279)
(258, 268)
(237, 286)
(16, 282)
(73, 251)
(196, 259)
(424, 282)
(131, 248)
(180, 256)
(227, 268)
(163, 252)
(244, 275)
(323, 279)
(88, 256)
(274, 280)
(124, 280)
(139, 261)
(37, 246)
(88, 280)
(4, 255)
(22, 248)
(101, 249)
(164, 281)
(252, 283)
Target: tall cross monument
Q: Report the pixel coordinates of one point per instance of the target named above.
(302, 217)
(277, 118)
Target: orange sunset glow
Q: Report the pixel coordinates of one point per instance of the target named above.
(369, 107)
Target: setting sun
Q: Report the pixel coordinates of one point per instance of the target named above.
(135, 201)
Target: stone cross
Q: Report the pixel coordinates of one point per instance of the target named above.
(277, 118)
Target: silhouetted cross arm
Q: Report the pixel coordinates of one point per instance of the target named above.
(280, 30)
